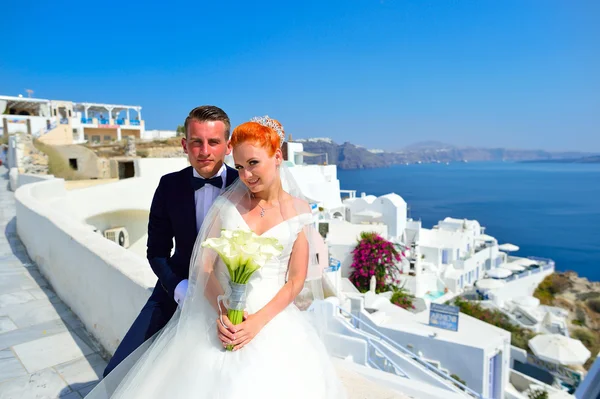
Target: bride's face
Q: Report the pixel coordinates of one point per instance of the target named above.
(257, 169)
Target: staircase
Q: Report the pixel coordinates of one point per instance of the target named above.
(348, 337)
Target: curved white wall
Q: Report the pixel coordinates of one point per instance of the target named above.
(103, 283)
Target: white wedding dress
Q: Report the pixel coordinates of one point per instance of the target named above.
(285, 360)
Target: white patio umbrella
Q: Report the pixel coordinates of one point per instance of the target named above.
(499, 273)
(489, 284)
(526, 262)
(508, 247)
(527, 301)
(484, 237)
(556, 348)
(513, 267)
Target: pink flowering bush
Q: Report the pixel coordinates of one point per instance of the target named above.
(375, 256)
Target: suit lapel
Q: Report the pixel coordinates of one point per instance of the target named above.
(189, 202)
(232, 176)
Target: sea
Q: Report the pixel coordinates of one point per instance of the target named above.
(550, 210)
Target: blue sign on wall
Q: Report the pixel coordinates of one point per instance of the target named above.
(444, 316)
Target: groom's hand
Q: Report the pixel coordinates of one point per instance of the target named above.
(180, 291)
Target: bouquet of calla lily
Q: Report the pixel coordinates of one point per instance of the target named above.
(243, 252)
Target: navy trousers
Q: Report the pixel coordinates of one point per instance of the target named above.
(155, 314)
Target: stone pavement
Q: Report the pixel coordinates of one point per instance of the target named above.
(45, 352)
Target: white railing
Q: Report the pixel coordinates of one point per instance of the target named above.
(349, 193)
(403, 352)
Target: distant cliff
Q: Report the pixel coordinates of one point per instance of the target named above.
(350, 156)
(592, 159)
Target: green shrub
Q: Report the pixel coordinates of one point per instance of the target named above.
(594, 304)
(402, 298)
(519, 337)
(538, 394)
(584, 296)
(551, 286)
(143, 153)
(457, 378)
(579, 317)
(586, 337)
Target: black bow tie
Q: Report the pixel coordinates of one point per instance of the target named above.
(198, 183)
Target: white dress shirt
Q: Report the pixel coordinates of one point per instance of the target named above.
(204, 198)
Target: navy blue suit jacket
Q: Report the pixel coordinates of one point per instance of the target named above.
(173, 215)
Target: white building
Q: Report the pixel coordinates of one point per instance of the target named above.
(526, 312)
(158, 134)
(477, 352)
(60, 122)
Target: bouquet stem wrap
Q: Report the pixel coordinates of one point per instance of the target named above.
(236, 303)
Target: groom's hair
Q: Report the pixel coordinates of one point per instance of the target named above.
(208, 113)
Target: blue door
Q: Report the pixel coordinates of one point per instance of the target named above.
(495, 374)
(491, 381)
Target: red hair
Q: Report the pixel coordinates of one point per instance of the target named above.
(264, 136)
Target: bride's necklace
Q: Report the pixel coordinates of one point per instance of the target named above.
(262, 209)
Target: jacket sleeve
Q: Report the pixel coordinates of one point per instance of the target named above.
(160, 240)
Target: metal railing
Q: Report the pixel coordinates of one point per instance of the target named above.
(45, 129)
(411, 355)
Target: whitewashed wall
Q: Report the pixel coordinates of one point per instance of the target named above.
(103, 283)
(156, 167)
(158, 134)
(28, 178)
(525, 286)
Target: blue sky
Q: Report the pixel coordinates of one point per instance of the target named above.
(382, 73)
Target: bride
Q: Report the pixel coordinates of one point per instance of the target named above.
(276, 351)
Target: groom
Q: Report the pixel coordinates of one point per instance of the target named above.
(180, 203)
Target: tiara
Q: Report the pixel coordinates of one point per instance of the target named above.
(268, 122)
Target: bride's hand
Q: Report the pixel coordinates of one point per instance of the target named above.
(247, 330)
(225, 330)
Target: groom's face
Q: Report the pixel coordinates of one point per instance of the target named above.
(206, 146)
